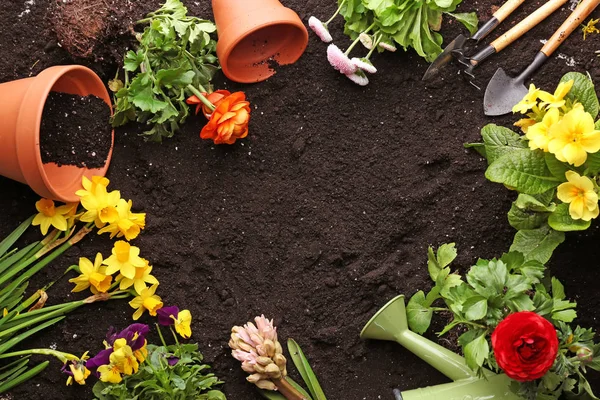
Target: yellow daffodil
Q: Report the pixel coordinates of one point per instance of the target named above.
(110, 373)
(538, 133)
(128, 223)
(93, 275)
(573, 137)
(123, 357)
(590, 27)
(49, 215)
(556, 100)
(183, 324)
(579, 192)
(125, 258)
(528, 102)
(142, 276)
(100, 205)
(147, 300)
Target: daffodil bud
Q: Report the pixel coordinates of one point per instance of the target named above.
(264, 361)
(273, 371)
(269, 347)
(265, 384)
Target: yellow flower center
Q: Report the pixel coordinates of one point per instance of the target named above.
(122, 251)
(47, 208)
(152, 305)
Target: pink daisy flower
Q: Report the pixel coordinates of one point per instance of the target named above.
(364, 64)
(320, 29)
(359, 78)
(339, 60)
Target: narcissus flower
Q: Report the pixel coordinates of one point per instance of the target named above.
(538, 134)
(50, 215)
(320, 29)
(573, 137)
(77, 370)
(142, 276)
(229, 121)
(93, 275)
(557, 99)
(100, 204)
(528, 102)
(147, 300)
(182, 320)
(579, 192)
(125, 258)
(128, 224)
(214, 97)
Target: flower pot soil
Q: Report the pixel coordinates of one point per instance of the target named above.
(320, 216)
(75, 130)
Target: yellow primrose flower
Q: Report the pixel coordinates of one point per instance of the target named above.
(125, 258)
(525, 124)
(528, 102)
(100, 205)
(580, 194)
(147, 300)
(590, 27)
(183, 324)
(93, 275)
(110, 373)
(128, 224)
(556, 100)
(142, 276)
(123, 357)
(538, 133)
(49, 215)
(573, 137)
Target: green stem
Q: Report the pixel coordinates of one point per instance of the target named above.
(162, 339)
(63, 357)
(174, 335)
(375, 44)
(336, 13)
(358, 39)
(203, 99)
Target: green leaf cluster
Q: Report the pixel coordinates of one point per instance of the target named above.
(490, 291)
(157, 380)
(537, 214)
(175, 50)
(409, 23)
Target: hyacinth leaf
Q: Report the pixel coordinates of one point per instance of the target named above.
(4, 386)
(305, 370)
(582, 91)
(560, 220)
(272, 395)
(537, 244)
(469, 20)
(14, 236)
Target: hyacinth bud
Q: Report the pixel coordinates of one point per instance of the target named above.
(244, 346)
(256, 339)
(279, 360)
(269, 347)
(265, 384)
(585, 354)
(278, 348)
(273, 371)
(247, 367)
(259, 368)
(255, 378)
(264, 361)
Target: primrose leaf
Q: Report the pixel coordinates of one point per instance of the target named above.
(419, 316)
(499, 141)
(525, 219)
(556, 168)
(592, 164)
(537, 244)
(582, 91)
(561, 220)
(524, 170)
(476, 352)
(530, 203)
(469, 20)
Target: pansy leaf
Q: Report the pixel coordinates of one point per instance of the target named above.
(561, 220)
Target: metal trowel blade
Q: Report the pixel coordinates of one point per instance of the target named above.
(502, 93)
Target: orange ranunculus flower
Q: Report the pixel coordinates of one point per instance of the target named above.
(215, 98)
(229, 121)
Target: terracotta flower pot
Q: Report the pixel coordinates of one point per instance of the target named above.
(254, 32)
(21, 106)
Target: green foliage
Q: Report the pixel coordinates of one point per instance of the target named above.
(157, 380)
(495, 288)
(305, 370)
(174, 51)
(409, 23)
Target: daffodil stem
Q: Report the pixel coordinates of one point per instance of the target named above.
(287, 390)
(336, 13)
(63, 357)
(200, 96)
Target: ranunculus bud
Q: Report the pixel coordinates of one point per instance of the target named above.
(585, 354)
(525, 345)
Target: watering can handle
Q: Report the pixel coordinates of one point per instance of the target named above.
(580, 13)
(507, 8)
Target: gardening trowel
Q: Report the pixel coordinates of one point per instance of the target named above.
(503, 92)
(390, 323)
(461, 40)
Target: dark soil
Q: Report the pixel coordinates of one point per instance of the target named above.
(75, 130)
(320, 216)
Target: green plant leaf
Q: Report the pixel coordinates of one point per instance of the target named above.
(592, 164)
(475, 308)
(446, 253)
(524, 170)
(525, 219)
(556, 168)
(14, 235)
(469, 20)
(5, 386)
(537, 244)
(419, 315)
(476, 352)
(558, 290)
(582, 91)
(305, 370)
(560, 220)
(499, 141)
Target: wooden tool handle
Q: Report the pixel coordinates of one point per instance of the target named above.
(525, 25)
(582, 11)
(507, 9)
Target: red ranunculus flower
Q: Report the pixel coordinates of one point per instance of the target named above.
(229, 121)
(525, 345)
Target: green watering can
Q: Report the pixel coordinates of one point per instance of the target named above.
(390, 323)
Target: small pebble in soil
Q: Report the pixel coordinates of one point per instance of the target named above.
(75, 130)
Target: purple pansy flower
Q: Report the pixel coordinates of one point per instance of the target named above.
(164, 315)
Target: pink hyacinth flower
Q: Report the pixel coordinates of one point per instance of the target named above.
(320, 29)
(339, 60)
(364, 64)
(266, 328)
(359, 78)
